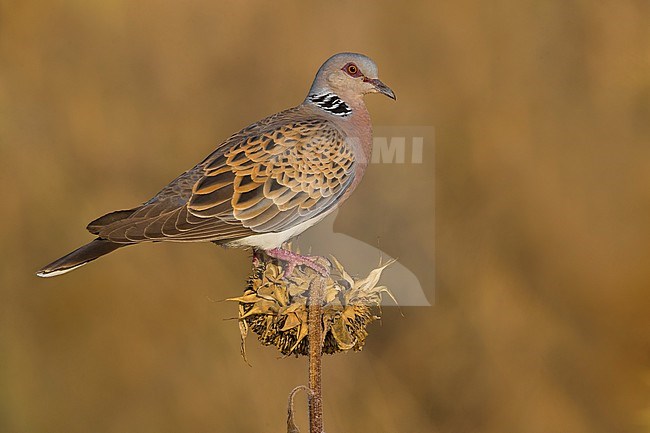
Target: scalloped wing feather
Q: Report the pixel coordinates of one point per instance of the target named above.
(271, 176)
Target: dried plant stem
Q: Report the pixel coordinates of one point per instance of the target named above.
(291, 422)
(315, 336)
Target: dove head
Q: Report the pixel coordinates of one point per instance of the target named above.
(349, 76)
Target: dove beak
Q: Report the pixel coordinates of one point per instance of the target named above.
(380, 87)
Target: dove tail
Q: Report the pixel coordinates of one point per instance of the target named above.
(79, 257)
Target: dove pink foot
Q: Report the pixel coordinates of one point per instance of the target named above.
(294, 259)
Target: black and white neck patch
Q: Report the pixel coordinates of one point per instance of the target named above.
(331, 103)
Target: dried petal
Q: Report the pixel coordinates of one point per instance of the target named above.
(274, 307)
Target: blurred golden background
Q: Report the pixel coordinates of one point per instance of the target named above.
(541, 176)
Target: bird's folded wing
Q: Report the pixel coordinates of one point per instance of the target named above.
(266, 181)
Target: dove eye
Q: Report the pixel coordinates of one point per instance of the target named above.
(352, 70)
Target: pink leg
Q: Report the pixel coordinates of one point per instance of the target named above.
(292, 259)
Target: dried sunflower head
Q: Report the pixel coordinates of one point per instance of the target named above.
(275, 308)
